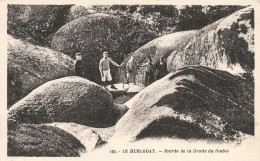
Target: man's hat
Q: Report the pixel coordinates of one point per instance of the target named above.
(78, 54)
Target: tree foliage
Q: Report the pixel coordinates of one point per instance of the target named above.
(38, 23)
(192, 17)
(165, 19)
(214, 13)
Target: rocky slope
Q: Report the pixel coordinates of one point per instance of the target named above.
(194, 102)
(30, 66)
(69, 99)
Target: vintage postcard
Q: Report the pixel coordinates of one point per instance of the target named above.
(130, 80)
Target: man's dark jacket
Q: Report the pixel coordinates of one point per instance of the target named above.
(78, 68)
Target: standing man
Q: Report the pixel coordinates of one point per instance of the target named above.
(78, 67)
(130, 69)
(161, 69)
(148, 72)
(105, 70)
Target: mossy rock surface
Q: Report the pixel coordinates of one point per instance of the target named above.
(192, 103)
(68, 99)
(227, 44)
(42, 141)
(30, 66)
(36, 24)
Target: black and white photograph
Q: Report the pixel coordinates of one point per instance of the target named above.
(137, 80)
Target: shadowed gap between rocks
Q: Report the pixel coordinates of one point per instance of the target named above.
(221, 82)
(173, 128)
(42, 140)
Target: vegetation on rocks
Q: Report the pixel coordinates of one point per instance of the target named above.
(226, 45)
(234, 41)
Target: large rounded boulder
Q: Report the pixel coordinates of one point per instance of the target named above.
(93, 34)
(69, 99)
(192, 103)
(30, 66)
(227, 44)
(42, 141)
(36, 23)
(78, 11)
(90, 137)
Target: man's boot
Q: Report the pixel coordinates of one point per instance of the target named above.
(112, 85)
(104, 85)
(127, 81)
